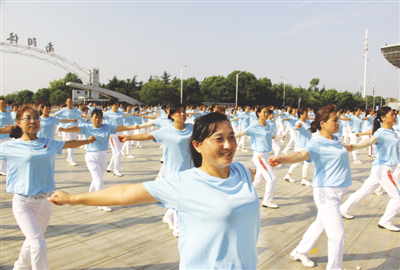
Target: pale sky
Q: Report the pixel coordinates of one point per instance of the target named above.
(294, 39)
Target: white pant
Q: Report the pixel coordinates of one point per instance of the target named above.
(127, 145)
(281, 128)
(306, 165)
(115, 162)
(3, 164)
(32, 216)
(69, 136)
(276, 148)
(97, 164)
(264, 171)
(328, 201)
(354, 140)
(379, 176)
(293, 138)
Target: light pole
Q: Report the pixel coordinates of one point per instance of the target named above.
(284, 90)
(182, 83)
(237, 87)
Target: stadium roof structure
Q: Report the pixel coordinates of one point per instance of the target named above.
(392, 54)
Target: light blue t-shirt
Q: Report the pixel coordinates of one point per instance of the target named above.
(260, 137)
(356, 124)
(303, 134)
(292, 121)
(331, 161)
(5, 120)
(163, 121)
(244, 120)
(134, 120)
(48, 127)
(114, 118)
(387, 147)
(66, 113)
(176, 147)
(102, 135)
(30, 165)
(219, 219)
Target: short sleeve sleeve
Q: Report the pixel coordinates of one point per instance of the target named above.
(165, 190)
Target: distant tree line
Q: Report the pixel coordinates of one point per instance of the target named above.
(218, 89)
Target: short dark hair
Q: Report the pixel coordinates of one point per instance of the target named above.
(97, 112)
(204, 127)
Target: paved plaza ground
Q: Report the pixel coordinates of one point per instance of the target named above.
(133, 237)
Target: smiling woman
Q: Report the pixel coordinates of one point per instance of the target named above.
(30, 164)
(218, 206)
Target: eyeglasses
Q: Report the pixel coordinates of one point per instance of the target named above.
(29, 119)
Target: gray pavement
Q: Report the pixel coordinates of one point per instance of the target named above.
(83, 237)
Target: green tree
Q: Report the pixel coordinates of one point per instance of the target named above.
(248, 88)
(11, 97)
(166, 77)
(61, 84)
(24, 97)
(191, 90)
(266, 92)
(330, 97)
(42, 94)
(58, 97)
(156, 92)
(314, 84)
(217, 89)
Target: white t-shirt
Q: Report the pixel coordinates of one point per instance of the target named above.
(219, 219)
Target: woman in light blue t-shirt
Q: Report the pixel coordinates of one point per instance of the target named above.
(303, 135)
(260, 134)
(331, 179)
(387, 161)
(219, 232)
(30, 164)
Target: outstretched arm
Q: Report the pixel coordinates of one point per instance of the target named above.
(78, 143)
(240, 134)
(138, 137)
(124, 194)
(69, 120)
(365, 143)
(123, 128)
(73, 129)
(290, 159)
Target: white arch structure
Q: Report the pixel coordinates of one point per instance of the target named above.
(86, 75)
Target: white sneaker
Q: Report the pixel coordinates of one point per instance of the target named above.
(377, 192)
(289, 178)
(357, 162)
(130, 156)
(282, 141)
(346, 215)
(305, 183)
(389, 227)
(72, 163)
(278, 166)
(302, 257)
(139, 146)
(170, 223)
(270, 205)
(105, 208)
(175, 234)
(162, 159)
(285, 153)
(123, 153)
(118, 174)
